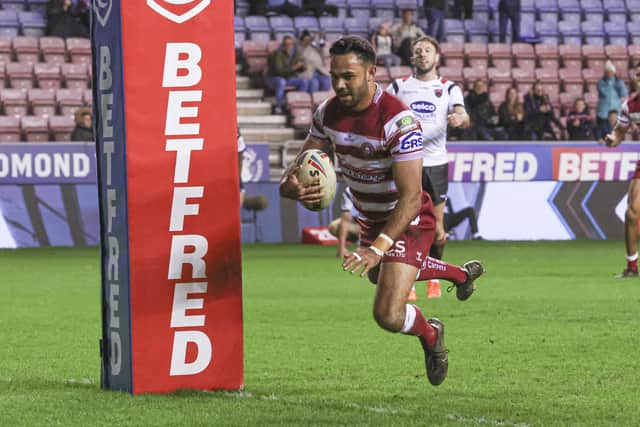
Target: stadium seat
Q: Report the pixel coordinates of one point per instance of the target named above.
(634, 54)
(616, 11)
(496, 97)
(331, 25)
(273, 45)
(594, 55)
(14, 5)
(239, 31)
(471, 75)
(407, 4)
(3, 76)
(570, 31)
(500, 55)
(476, 54)
(382, 76)
(547, 31)
(567, 100)
(547, 56)
(297, 99)
(9, 25)
(593, 32)
(47, 75)
(591, 99)
(549, 78)
(319, 97)
(32, 23)
(26, 49)
(547, 10)
(5, 49)
(35, 129)
(452, 73)
(571, 79)
(359, 9)
(301, 118)
(53, 49)
(571, 56)
(523, 78)
(87, 97)
(20, 75)
(14, 102)
(481, 11)
(399, 72)
(591, 77)
(384, 9)
(39, 6)
(454, 31)
(478, 31)
(571, 11)
(281, 25)
(79, 50)
(42, 101)
(309, 23)
(500, 79)
(527, 10)
(616, 33)
(9, 129)
(633, 28)
(357, 26)
(61, 127)
(75, 76)
(258, 28)
(524, 55)
(255, 53)
(618, 55)
(452, 54)
(69, 100)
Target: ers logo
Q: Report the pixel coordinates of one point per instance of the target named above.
(188, 8)
(411, 141)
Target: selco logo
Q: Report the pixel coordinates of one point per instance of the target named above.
(197, 6)
(423, 107)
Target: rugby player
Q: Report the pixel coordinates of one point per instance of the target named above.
(378, 143)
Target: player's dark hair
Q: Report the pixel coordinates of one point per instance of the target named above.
(356, 45)
(427, 39)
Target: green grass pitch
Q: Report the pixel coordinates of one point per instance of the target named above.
(549, 338)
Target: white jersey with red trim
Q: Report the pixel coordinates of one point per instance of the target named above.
(367, 143)
(630, 112)
(431, 101)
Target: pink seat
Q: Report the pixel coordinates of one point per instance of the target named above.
(471, 75)
(79, 50)
(69, 100)
(594, 56)
(634, 53)
(5, 49)
(618, 55)
(301, 118)
(571, 79)
(399, 72)
(452, 73)
(61, 127)
(496, 98)
(75, 76)
(591, 99)
(9, 129)
(524, 55)
(20, 75)
(549, 77)
(297, 99)
(35, 129)
(382, 75)
(47, 75)
(319, 97)
(547, 55)
(591, 77)
(53, 49)
(255, 53)
(3, 75)
(87, 96)
(26, 49)
(476, 54)
(571, 56)
(567, 100)
(42, 101)
(523, 78)
(14, 102)
(500, 55)
(452, 54)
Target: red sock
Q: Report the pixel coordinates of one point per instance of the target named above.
(436, 269)
(423, 329)
(632, 265)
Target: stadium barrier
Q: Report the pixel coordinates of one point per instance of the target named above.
(167, 190)
(518, 191)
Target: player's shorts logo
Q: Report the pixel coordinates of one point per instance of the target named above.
(197, 6)
(423, 107)
(102, 9)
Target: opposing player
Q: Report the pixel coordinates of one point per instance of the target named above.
(629, 114)
(379, 146)
(437, 102)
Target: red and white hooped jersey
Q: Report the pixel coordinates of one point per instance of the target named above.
(367, 143)
(630, 112)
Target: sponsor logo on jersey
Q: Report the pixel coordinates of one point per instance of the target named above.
(406, 124)
(367, 149)
(438, 92)
(423, 107)
(411, 142)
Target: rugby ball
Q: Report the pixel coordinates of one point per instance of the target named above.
(317, 164)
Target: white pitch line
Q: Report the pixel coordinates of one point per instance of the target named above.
(483, 420)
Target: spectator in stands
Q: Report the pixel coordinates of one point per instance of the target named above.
(539, 115)
(511, 113)
(284, 66)
(84, 125)
(284, 7)
(463, 9)
(66, 18)
(484, 120)
(579, 122)
(509, 10)
(382, 42)
(403, 34)
(611, 94)
(319, 8)
(607, 127)
(436, 11)
(315, 71)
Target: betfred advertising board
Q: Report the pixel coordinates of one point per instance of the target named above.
(164, 87)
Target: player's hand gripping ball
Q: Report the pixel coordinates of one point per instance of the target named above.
(316, 164)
